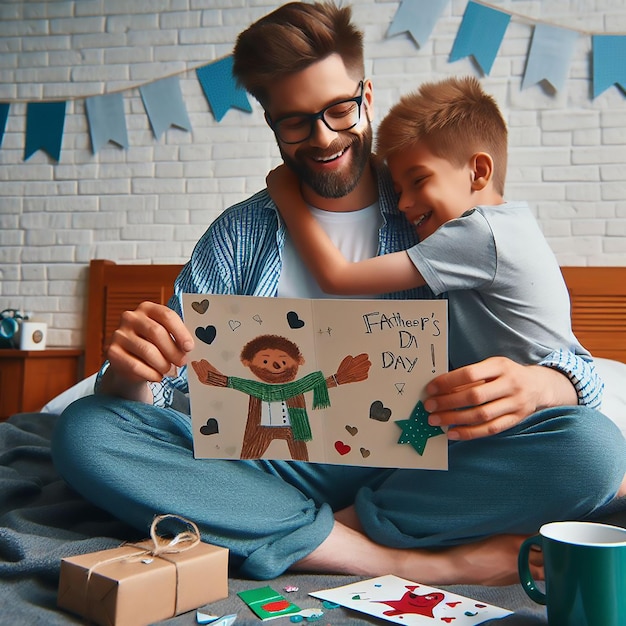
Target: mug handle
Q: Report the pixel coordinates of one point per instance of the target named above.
(528, 583)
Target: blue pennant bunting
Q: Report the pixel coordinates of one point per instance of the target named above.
(4, 114)
(480, 35)
(105, 115)
(550, 53)
(44, 128)
(609, 62)
(221, 89)
(164, 104)
(418, 18)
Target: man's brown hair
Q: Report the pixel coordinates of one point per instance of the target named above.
(455, 118)
(292, 38)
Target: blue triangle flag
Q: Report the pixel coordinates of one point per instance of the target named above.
(105, 115)
(4, 114)
(550, 53)
(609, 62)
(480, 35)
(164, 104)
(44, 128)
(221, 88)
(418, 18)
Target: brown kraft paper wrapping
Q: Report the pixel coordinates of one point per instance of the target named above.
(138, 584)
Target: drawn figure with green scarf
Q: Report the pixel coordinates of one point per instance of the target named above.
(277, 407)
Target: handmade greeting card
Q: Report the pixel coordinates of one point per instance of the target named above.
(405, 602)
(333, 381)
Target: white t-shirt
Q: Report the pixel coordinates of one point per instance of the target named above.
(355, 233)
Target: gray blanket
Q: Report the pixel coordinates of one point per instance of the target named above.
(42, 520)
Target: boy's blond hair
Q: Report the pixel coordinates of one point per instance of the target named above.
(290, 39)
(455, 118)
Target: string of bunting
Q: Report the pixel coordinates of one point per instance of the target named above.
(480, 35)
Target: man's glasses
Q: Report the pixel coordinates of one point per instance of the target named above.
(338, 116)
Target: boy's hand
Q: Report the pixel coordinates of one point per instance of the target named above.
(493, 395)
(284, 188)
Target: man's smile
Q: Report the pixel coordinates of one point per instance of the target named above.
(332, 157)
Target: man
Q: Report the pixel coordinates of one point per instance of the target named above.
(304, 64)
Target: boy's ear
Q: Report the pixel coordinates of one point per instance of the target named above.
(368, 99)
(481, 170)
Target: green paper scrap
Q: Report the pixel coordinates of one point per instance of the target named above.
(268, 603)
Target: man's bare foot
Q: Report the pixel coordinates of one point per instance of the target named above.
(492, 561)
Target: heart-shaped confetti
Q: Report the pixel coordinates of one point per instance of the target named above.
(200, 307)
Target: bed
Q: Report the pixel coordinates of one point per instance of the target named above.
(43, 520)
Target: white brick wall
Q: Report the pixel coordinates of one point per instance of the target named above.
(151, 202)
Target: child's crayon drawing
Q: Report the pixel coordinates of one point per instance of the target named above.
(405, 602)
(334, 381)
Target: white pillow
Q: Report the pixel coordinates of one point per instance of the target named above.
(613, 373)
(79, 390)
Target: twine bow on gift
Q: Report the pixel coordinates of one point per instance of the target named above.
(179, 543)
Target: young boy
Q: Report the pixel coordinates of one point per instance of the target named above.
(446, 148)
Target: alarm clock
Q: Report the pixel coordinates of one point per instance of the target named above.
(10, 320)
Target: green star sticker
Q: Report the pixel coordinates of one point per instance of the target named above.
(416, 430)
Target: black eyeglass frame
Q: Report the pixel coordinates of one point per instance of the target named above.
(320, 115)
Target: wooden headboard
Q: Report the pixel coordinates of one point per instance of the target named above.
(598, 296)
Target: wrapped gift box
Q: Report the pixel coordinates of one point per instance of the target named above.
(130, 586)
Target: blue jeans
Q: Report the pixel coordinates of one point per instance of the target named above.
(136, 460)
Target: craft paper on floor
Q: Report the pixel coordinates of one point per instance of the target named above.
(334, 381)
(405, 602)
(268, 603)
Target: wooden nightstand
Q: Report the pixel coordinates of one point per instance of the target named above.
(31, 378)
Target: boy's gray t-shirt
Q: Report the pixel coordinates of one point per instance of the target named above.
(505, 289)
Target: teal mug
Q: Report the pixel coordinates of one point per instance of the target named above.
(585, 573)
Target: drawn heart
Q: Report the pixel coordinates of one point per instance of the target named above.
(206, 334)
(342, 448)
(293, 320)
(379, 412)
(480, 606)
(234, 324)
(452, 604)
(470, 613)
(357, 597)
(353, 430)
(210, 428)
(200, 307)
(448, 620)
(365, 452)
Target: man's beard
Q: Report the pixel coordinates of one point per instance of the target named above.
(334, 184)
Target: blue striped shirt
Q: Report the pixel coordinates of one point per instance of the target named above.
(240, 254)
